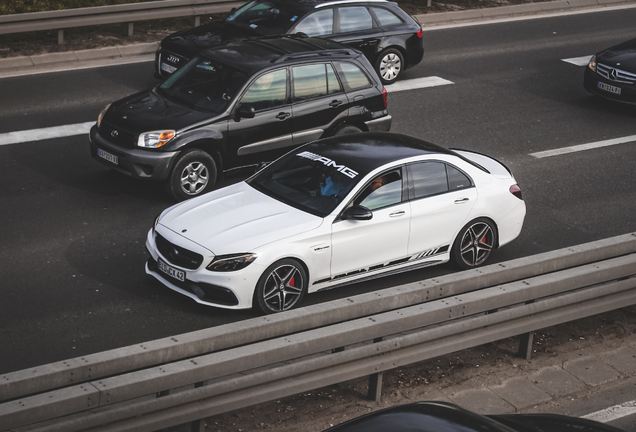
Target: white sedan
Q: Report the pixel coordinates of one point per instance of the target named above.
(333, 212)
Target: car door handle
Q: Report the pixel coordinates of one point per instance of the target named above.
(283, 115)
(335, 103)
(462, 201)
(397, 213)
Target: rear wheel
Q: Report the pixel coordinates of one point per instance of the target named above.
(192, 175)
(474, 244)
(389, 65)
(281, 287)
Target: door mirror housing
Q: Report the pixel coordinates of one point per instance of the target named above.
(246, 111)
(357, 212)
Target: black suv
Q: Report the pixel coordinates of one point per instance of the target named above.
(239, 105)
(388, 36)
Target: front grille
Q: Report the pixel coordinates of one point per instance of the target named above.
(177, 255)
(117, 136)
(616, 75)
(172, 59)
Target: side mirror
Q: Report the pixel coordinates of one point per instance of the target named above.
(357, 212)
(246, 111)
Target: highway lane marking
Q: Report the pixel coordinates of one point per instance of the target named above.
(582, 147)
(612, 413)
(45, 133)
(578, 61)
(432, 81)
(84, 128)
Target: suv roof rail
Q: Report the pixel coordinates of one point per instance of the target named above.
(349, 1)
(326, 53)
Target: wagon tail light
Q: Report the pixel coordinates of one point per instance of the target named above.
(516, 191)
(385, 97)
(419, 33)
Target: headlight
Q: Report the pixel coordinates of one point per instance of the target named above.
(101, 115)
(154, 227)
(592, 63)
(225, 263)
(155, 139)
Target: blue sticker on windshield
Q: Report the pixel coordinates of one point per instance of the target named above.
(253, 25)
(294, 18)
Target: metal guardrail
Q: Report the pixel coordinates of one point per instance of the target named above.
(213, 371)
(124, 13)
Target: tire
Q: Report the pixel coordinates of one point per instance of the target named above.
(281, 287)
(389, 65)
(193, 174)
(474, 244)
(346, 130)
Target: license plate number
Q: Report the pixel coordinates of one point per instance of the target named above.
(171, 271)
(168, 68)
(609, 88)
(109, 157)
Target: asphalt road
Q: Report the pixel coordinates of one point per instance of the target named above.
(72, 232)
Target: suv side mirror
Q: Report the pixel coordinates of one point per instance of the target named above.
(246, 111)
(357, 212)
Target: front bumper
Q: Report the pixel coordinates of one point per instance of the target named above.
(227, 290)
(137, 163)
(591, 82)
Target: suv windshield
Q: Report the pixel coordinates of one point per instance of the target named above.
(204, 84)
(266, 17)
(307, 181)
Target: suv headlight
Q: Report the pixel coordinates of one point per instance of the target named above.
(225, 263)
(592, 63)
(155, 139)
(101, 115)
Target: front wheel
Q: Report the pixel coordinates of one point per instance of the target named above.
(281, 287)
(389, 65)
(192, 175)
(474, 244)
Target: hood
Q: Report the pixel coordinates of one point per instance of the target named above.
(622, 56)
(236, 219)
(191, 42)
(148, 111)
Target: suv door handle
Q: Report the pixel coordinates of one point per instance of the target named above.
(335, 103)
(462, 201)
(283, 115)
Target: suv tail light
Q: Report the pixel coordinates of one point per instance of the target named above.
(419, 33)
(516, 191)
(385, 97)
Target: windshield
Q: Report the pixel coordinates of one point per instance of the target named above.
(266, 17)
(204, 84)
(307, 181)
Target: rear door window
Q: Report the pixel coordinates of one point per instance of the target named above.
(354, 18)
(427, 179)
(386, 17)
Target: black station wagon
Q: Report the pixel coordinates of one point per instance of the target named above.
(238, 105)
(388, 36)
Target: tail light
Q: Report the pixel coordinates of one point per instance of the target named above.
(419, 33)
(516, 191)
(385, 97)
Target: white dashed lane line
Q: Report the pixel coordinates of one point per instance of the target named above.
(612, 413)
(582, 147)
(45, 133)
(578, 61)
(84, 128)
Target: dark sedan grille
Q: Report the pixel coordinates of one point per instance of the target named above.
(616, 75)
(118, 136)
(172, 59)
(177, 255)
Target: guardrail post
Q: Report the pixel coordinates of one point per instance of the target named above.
(525, 345)
(197, 21)
(198, 425)
(130, 28)
(375, 382)
(60, 37)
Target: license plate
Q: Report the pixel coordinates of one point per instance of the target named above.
(171, 271)
(609, 88)
(109, 157)
(168, 68)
